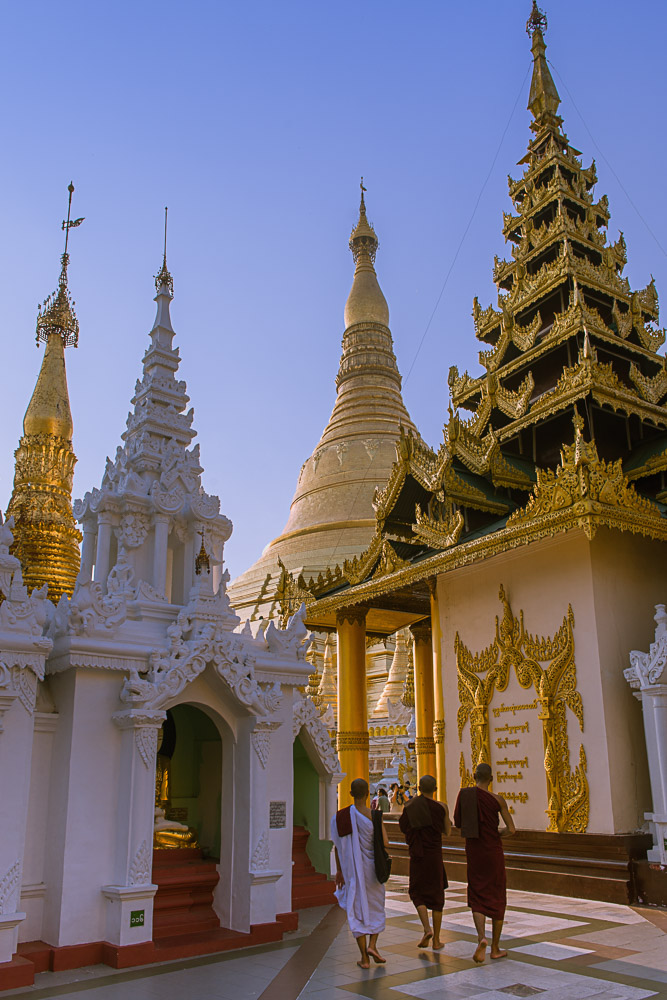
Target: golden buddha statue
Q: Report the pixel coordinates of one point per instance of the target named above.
(168, 833)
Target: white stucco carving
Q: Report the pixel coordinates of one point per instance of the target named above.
(9, 885)
(146, 740)
(305, 715)
(140, 869)
(261, 740)
(648, 668)
(260, 856)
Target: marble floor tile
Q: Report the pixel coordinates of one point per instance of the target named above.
(516, 925)
(556, 952)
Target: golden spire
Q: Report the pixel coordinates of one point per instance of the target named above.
(544, 100)
(202, 561)
(365, 303)
(46, 539)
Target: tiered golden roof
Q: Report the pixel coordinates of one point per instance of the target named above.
(569, 341)
(46, 539)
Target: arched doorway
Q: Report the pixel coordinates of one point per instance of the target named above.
(188, 790)
(195, 780)
(306, 810)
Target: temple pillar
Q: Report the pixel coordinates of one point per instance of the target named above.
(160, 543)
(265, 847)
(18, 686)
(438, 695)
(352, 740)
(423, 657)
(648, 677)
(103, 554)
(132, 889)
(88, 547)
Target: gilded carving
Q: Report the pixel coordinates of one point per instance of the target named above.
(652, 389)
(424, 746)
(352, 741)
(353, 616)
(481, 674)
(597, 492)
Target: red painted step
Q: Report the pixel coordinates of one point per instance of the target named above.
(183, 905)
(309, 887)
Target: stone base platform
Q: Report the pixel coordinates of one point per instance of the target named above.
(587, 866)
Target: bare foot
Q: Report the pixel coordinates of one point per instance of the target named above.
(480, 951)
(437, 945)
(425, 940)
(364, 964)
(376, 956)
(498, 954)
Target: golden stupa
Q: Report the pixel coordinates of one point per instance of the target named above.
(331, 516)
(46, 539)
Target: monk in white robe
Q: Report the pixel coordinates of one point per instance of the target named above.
(357, 888)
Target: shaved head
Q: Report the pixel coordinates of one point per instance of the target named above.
(428, 784)
(483, 773)
(359, 788)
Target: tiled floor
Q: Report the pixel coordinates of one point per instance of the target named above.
(560, 949)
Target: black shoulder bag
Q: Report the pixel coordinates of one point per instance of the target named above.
(382, 859)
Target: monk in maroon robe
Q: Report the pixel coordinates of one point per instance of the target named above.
(423, 823)
(476, 815)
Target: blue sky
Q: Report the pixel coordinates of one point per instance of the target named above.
(253, 122)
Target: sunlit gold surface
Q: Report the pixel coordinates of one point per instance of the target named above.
(352, 739)
(480, 674)
(46, 538)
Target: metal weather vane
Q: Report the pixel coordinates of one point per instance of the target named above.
(537, 19)
(56, 314)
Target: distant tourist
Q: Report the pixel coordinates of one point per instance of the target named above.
(396, 798)
(355, 833)
(408, 792)
(383, 803)
(476, 815)
(423, 823)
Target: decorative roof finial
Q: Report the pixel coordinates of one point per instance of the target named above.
(56, 314)
(537, 19)
(544, 99)
(363, 241)
(163, 277)
(202, 562)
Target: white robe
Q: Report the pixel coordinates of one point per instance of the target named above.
(362, 896)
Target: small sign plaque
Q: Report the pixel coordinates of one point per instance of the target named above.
(137, 918)
(277, 815)
(178, 813)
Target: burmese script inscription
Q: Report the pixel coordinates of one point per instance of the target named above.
(517, 752)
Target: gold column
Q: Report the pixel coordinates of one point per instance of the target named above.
(438, 695)
(352, 739)
(423, 656)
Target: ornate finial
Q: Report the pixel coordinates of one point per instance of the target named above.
(537, 19)
(163, 277)
(56, 314)
(543, 100)
(202, 562)
(363, 241)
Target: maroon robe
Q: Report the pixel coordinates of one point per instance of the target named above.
(428, 879)
(487, 887)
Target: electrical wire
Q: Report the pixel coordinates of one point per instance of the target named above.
(592, 138)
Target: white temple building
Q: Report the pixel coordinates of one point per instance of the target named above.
(146, 651)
